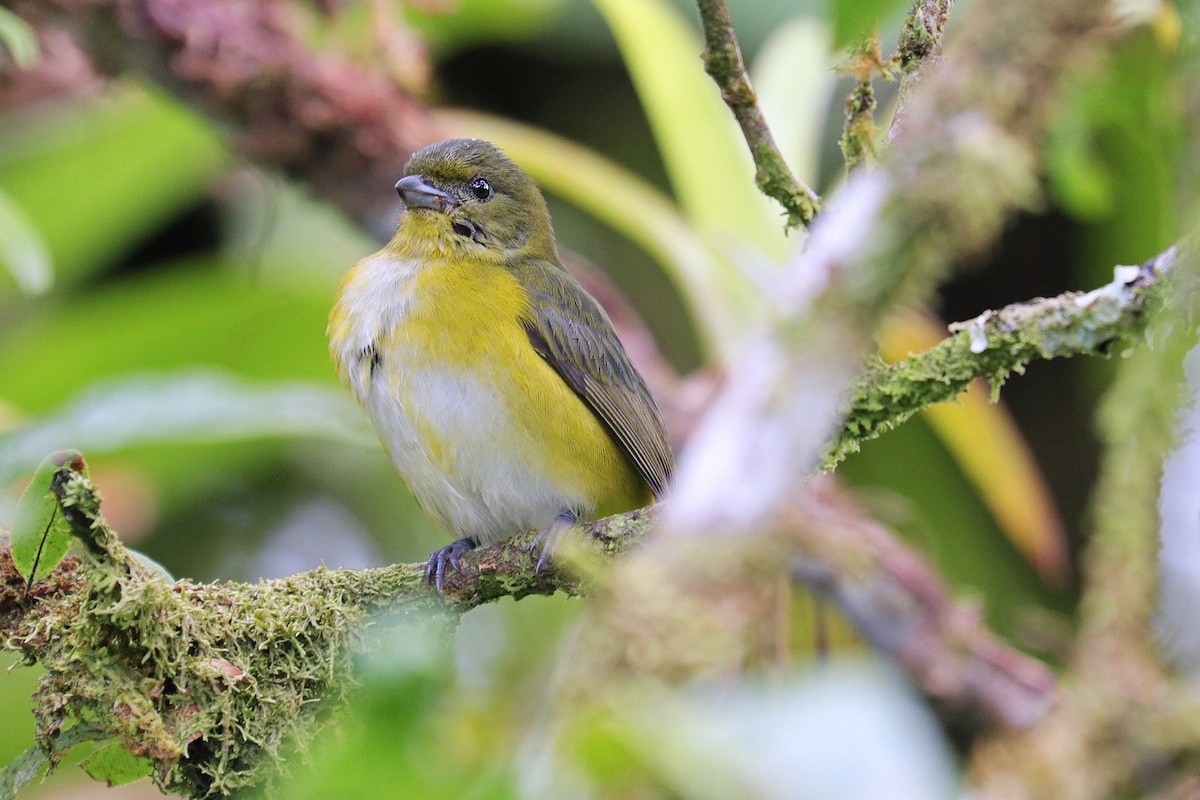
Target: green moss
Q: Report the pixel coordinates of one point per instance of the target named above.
(217, 683)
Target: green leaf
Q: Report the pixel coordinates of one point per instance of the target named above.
(175, 317)
(395, 732)
(200, 406)
(156, 569)
(115, 765)
(95, 179)
(20, 771)
(40, 536)
(22, 250)
(853, 19)
(705, 155)
(18, 38)
(448, 27)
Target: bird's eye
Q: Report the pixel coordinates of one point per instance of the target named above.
(481, 189)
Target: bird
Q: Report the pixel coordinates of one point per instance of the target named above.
(497, 384)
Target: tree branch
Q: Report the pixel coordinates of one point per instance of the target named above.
(723, 62)
(996, 344)
(921, 36)
(858, 129)
(218, 683)
(902, 607)
(920, 46)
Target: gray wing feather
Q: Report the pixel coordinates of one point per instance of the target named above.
(579, 342)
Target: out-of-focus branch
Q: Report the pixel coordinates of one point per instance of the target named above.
(1123, 726)
(702, 605)
(963, 160)
(902, 607)
(996, 344)
(61, 70)
(723, 61)
(343, 130)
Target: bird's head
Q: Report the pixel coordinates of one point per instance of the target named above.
(464, 195)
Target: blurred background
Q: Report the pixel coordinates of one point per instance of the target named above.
(163, 304)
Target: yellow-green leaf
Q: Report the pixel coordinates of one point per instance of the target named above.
(18, 39)
(21, 249)
(706, 157)
(40, 536)
(115, 765)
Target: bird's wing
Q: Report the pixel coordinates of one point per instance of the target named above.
(572, 333)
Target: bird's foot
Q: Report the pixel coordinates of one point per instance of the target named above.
(548, 539)
(451, 554)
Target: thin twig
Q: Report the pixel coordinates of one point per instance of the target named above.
(723, 62)
(920, 46)
(921, 36)
(858, 131)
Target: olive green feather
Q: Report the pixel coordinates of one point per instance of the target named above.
(570, 330)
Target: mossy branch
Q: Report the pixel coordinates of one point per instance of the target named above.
(723, 62)
(920, 46)
(921, 35)
(216, 684)
(997, 344)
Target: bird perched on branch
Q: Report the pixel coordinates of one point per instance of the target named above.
(495, 381)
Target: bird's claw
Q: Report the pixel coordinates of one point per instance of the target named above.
(548, 539)
(451, 554)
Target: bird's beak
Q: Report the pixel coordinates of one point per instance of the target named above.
(416, 193)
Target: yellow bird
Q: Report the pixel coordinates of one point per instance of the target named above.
(495, 381)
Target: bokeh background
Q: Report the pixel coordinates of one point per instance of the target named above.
(162, 304)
